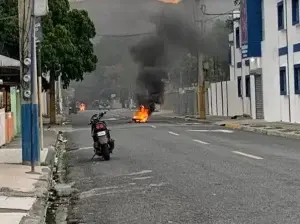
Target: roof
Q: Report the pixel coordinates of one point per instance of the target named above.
(8, 62)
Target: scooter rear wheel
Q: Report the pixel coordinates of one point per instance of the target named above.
(105, 152)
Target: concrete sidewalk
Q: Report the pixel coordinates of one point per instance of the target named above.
(12, 152)
(23, 196)
(287, 130)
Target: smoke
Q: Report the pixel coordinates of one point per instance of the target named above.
(151, 54)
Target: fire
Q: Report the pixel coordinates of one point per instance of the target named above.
(82, 107)
(142, 115)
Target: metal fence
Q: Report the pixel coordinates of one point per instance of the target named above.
(184, 102)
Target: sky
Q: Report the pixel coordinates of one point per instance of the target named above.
(114, 17)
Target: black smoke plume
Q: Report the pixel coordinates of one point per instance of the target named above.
(151, 55)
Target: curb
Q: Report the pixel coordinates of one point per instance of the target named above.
(37, 213)
(263, 131)
(187, 119)
(232, 126)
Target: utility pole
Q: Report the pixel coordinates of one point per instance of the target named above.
(39, 74)
(28, 10)
(29, 109)
(200, 58)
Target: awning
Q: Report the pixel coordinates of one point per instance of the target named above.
(9, 62)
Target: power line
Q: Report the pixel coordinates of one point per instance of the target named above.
(217, 15)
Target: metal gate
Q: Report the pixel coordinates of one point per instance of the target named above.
(259, 104)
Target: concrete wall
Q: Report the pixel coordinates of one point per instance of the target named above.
(16, 109)
(13, 102)
(280, 107)
(2, 127)
(278, 50)
(223, 99)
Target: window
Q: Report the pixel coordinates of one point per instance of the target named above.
(280, 14)
(237, 37)
(295, 11)
(297, 78)
(282, 79)
(247, 84)
(239, 83)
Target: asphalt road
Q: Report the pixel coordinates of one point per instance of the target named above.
(173, 171)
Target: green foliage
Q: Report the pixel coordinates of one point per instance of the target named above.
(67, 49)
(9, 28)
(184, 73)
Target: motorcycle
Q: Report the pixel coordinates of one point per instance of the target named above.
(103, 143)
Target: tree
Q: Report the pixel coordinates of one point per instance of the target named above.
(219, 60)
(66, 50)
(9, 28)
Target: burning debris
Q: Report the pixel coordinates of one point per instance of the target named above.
(151, 54)
(141, 116)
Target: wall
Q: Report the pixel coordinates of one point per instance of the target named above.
(13, 102)
(2, 127)
(223, 99)
(278, 50)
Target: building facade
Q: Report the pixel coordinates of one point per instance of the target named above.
(264, 61)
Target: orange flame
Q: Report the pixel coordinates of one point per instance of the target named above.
(142, 115)
(82, 107)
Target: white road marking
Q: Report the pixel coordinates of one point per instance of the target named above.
(111, 119)
(113, 190)
(142, 178)
(139, 173)
(219, 130)
(201, 142)
(157, 185)
(247, 155)
(173, 133)
(132, 183)
(153, 126)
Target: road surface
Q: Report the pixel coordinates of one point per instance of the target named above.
(173, 171)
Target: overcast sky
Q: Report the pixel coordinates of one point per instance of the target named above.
(131, 16)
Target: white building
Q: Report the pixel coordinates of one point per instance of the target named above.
(265, 63)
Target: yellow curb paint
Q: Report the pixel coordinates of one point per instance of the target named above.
(235, 126)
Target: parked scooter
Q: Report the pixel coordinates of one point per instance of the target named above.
(103, 143)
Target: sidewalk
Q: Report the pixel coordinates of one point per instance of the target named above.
(171, 114)
(287, 130)
(24, 196)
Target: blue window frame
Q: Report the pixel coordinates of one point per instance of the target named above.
(239, 86)
(237, 37)
(280, 14)
(282, 80)
(295, 11)
(297, 78)
(247, 84)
